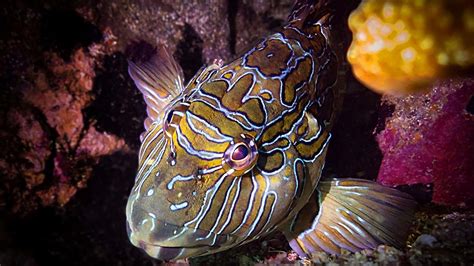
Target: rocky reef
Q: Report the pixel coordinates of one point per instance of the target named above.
(429, 139)
(71, 120)
(67, 94)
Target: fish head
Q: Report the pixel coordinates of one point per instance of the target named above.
(218, 167)
(189, 182)
(206, 184)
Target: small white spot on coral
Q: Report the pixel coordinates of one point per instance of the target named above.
(376, 46)
(403, 37)
(388, 10)
(408, 54)
(361, 36)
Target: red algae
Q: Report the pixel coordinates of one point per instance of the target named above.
(430, 139)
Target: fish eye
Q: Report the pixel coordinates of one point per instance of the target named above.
(240, 152)
(241, 156)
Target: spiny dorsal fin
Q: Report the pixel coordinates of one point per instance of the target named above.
(160, 79)
(354, 214)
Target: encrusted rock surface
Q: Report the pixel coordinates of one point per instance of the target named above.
(429, 139)
(49, 147)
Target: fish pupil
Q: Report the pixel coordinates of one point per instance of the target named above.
(240, 153)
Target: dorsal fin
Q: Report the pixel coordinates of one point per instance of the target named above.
(160, 79)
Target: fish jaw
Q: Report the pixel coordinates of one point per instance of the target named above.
(169, 242)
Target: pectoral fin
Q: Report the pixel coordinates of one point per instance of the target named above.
(160, 79)
(351, 214)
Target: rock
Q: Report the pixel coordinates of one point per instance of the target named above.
(175, 24)
(429, 138)
(425, 240)
(50, 148)
(445, 239)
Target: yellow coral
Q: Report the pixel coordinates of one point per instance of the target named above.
(404, 45)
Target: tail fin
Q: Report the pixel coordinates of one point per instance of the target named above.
(355, 214)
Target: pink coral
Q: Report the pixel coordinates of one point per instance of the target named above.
(430, 139)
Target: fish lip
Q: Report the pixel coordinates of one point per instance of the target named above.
(165, 246)
(178, 240)
(168, 253)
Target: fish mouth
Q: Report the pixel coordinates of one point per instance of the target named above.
(171, 253)
(169, 242)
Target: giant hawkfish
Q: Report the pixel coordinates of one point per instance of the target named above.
(238, 152)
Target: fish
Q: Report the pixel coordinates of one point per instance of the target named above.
(238, 152)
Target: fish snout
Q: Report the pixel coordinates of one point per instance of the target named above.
(168, 241)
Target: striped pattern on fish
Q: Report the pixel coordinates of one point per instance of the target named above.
(239, 151)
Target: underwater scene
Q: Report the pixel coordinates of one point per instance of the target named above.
(237, 132)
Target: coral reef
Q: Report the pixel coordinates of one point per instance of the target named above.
(404, 46)
(429, 139)
(72, 118)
